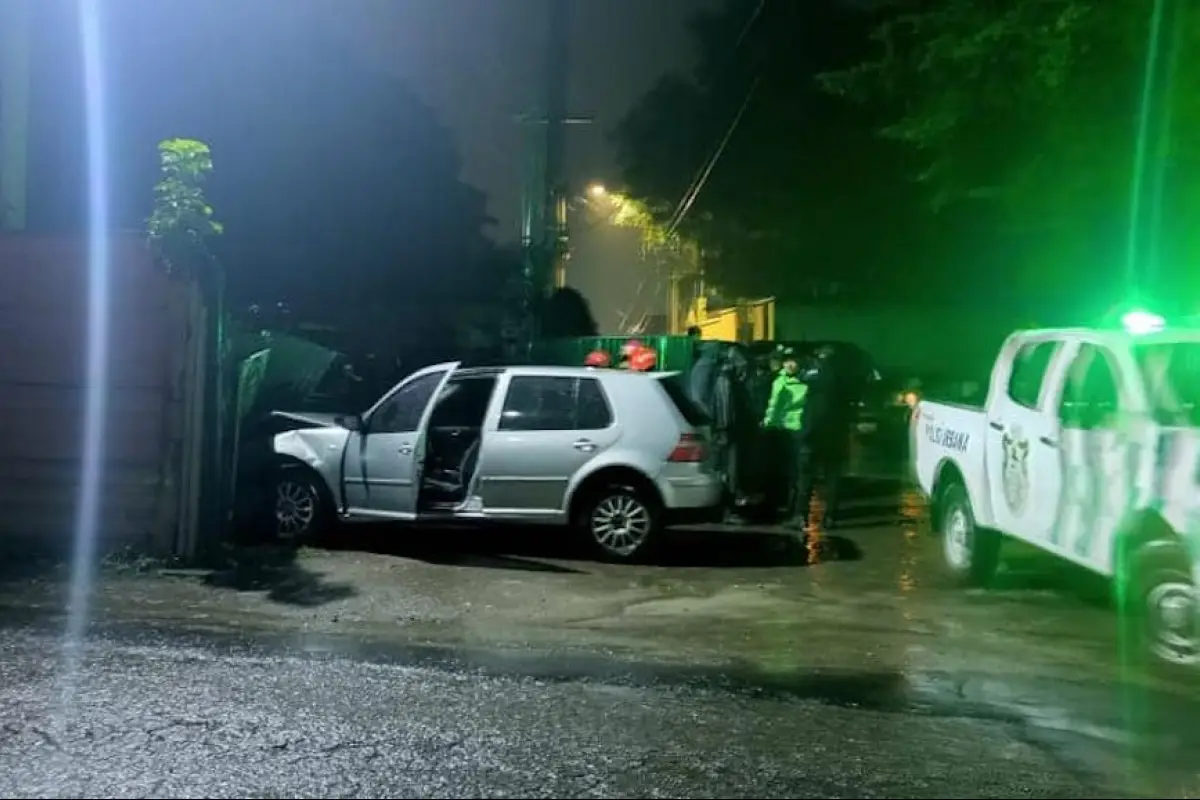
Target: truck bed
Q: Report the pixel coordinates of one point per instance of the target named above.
(948, 432)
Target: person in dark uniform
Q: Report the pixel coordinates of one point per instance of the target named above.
(768, 446)
(824, 435)
(735, 422)
(701, 379)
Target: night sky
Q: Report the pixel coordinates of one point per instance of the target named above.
(176, 66)
(478, 63)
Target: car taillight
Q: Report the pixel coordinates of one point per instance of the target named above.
(690, 450)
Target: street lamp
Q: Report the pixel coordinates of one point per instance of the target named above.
(597, 190)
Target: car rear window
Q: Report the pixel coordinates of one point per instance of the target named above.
(690, 411)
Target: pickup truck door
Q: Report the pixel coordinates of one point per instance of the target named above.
(1101, 456)
(1023, 467)
(381, 469)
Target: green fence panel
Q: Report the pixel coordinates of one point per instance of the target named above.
(674, 352)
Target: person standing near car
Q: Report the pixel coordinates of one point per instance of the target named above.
(735, 426)
(782, 422)
(824, 437)
(701, 379)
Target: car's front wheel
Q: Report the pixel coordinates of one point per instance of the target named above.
(620, 522)
(300, 513)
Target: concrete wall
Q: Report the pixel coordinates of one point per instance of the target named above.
(43, 332)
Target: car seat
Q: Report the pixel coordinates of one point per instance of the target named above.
(451, 483)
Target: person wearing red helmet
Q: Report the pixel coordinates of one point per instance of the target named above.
(643, 360)
(598, 359)
(628, 349)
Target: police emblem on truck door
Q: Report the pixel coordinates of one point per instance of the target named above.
(1015, 471)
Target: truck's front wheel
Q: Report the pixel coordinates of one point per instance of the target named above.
(971, 554)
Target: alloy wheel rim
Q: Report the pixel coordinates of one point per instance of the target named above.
(620, 524)
(295, 508)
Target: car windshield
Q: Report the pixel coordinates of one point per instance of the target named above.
(1172, 375)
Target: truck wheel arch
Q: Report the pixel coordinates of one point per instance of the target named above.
(1140, 529)
(946, 475)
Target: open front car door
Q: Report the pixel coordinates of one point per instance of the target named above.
(382, 464)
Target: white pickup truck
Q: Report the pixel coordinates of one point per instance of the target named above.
(1088, 448)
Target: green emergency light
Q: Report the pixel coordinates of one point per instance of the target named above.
(1140, 322)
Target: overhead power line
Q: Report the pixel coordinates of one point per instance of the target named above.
(694, 188)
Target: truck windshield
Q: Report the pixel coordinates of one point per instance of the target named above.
(1172, 375)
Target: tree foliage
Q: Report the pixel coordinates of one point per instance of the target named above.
(1001, 97)
(656, 237)
(1028, 113)
(181, 225)
(566, 313)
(891, 146)
(804, 199)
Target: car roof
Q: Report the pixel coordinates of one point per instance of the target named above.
(557, 371)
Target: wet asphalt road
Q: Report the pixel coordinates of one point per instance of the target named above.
(162, 718)
(496, 667)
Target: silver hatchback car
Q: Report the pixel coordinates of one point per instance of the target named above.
(617, 455)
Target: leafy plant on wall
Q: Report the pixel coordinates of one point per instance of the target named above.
(181, 225)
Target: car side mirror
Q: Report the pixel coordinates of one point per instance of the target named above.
(351, 422)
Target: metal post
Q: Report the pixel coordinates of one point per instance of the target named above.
(555, 234)
(673, 324)
(545, 240)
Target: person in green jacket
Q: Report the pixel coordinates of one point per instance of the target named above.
(785, 408)
(783, 421)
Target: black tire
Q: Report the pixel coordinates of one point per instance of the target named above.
(970, 554)
(620, 523)
(299, 494)
(1159, 609)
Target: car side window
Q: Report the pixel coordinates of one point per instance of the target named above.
(592, 410)
(552, 403)
(1029, 372)
(401, 411)
(1091, 395)
(463, 403)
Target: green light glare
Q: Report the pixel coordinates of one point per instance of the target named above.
(1139, 322)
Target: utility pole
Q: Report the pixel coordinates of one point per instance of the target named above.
(558, 52)
(545, 239)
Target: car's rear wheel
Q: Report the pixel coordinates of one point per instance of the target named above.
(300, 513)
(1161, 605)
(621, 523)
(970, 554)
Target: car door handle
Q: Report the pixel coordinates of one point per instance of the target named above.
(996, 426)
(584, 445)
(406, 449)
(1046, 440)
